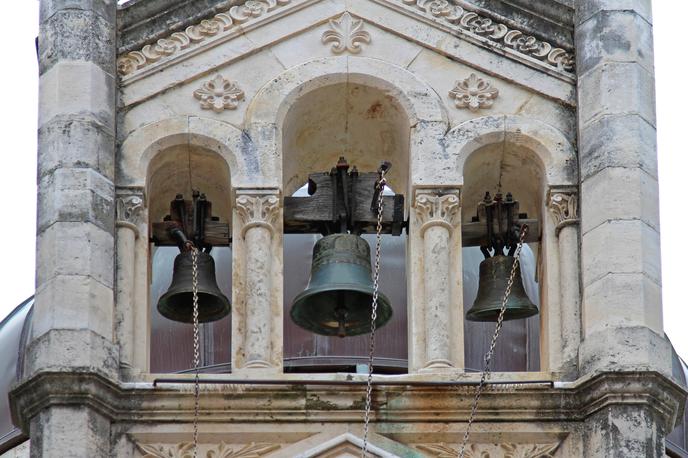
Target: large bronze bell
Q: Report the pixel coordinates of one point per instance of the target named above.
(494, 275)
(177, 303)
(339, 295)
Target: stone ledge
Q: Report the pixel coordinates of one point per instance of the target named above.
(142, 403)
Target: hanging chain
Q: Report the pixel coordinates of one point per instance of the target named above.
(373, 316)
(196, 347)
(488, 356)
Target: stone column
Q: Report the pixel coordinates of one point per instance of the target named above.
(73, 309)
(130, 206)
(438, 214)
(563, 207)
(259, 215)
(620, 256)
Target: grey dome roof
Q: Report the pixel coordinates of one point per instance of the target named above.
(14, 332)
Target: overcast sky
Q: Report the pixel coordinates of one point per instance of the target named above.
(18, 171)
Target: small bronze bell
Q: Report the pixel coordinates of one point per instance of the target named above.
(339, 295)
(177, 303)
(494, 275)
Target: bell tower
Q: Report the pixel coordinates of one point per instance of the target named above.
(334, 180)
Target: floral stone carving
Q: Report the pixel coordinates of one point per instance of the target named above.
(564, 208)
(473, 93)
(443, 450)
(346, 34)
(219, 94)
(221, 450)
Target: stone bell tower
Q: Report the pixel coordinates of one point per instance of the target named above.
(149, 107)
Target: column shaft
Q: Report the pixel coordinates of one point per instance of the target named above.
(258, 291)
(437, 299)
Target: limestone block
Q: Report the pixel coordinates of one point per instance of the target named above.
(69, 248)
(77, 195)
(432, 162)
(75, 142)
(74, 301)
(619, 193)
(70, 431)
(623, 432)
(618, 141)
(614, 247)
(625, 349)
(77, 88)
(585, 9)
(622, 300)
(616, 89)
(71, 350)
(104, 8)
(77, 35)
(614, 36)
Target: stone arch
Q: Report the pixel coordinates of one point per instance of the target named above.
(426, 113)
(232, 144)
(546, 161)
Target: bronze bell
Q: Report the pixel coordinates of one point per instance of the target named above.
(177, 303)
(494, 275)
(339, 295)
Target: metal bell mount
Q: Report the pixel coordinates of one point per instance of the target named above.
(501, 216)
(186, 228)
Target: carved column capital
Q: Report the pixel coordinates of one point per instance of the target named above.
(257, 209)
(436, 207)
(129, 209)
(563, 206)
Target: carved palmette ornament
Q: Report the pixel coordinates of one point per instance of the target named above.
(257, 211)
(442, 450)
(346, 34)
(221, 450)
(563, 207)
(437, 209)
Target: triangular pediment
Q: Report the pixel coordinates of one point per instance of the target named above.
(436, 24)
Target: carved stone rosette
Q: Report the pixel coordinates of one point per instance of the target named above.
(473, 93)
(219, 94)
(563, 206)
(129, 209)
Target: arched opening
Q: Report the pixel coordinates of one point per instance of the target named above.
(503, 167)
(183, 169)
(365, 125)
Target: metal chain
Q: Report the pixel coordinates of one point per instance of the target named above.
(488, 356)
(373, 316)
(196, 347)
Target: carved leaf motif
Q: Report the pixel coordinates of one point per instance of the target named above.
(473, 93)
(442, 450)
(219, 94)
(182, 450)
(252, 450)
(346, 34)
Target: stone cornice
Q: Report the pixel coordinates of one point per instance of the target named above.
(141, 402)
(475, 27)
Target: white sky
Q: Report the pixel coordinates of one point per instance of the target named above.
(18, 86)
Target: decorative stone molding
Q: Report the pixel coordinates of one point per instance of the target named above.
(346, 34)
(219, 94)
(564, 208)
(502, 36)
(473, 93)
(129, 210)
(442, 450)
(221, 450)
(222, 22)
(257, 211)
(437, 208)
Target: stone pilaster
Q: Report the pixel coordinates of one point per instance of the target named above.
(620, 251)
(563, 208)
(259, 298)
(130, 213)
(438, 216)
